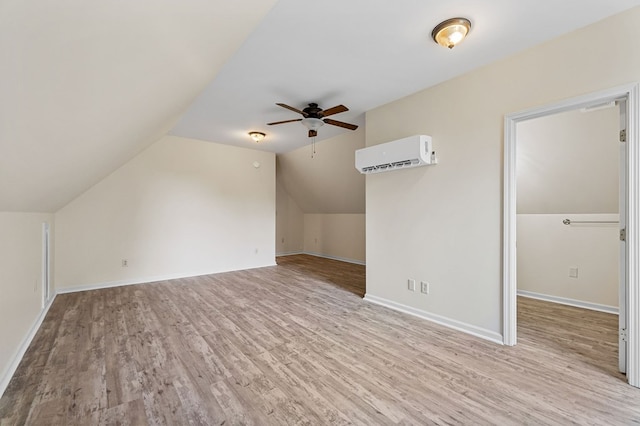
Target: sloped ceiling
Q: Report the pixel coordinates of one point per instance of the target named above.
(569, 162)
(85, 85)
(327, 181)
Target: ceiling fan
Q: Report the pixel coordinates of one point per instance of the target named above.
(314, 117)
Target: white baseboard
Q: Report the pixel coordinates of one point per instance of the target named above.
(569, 302)
(309, 253)
(438, 319)
(147, 280)
(22, 349)
(121, 283)
(341, 259)
(289, 253)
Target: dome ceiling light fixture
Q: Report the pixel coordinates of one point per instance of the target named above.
(257, 136)
(451, 32)
(313, 124)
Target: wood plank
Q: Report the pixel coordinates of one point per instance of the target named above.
(296, 343)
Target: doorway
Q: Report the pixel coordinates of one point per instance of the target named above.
(627, 97)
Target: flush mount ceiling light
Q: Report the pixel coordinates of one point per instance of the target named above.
(451, 32)
(257, 136)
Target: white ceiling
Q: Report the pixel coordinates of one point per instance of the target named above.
(85, 86)
(363, 53)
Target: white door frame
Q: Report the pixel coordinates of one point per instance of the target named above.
(622, 246)
(632, 94)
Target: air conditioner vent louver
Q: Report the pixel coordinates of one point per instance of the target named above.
(413, 151)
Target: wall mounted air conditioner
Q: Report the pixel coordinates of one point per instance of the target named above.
(413, 151)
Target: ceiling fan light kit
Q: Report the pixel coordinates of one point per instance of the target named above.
(257, 136)
(312, 123)
(314, 117)
(451, 32)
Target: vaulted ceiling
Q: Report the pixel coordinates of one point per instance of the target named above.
(84, 86)
(325, 181)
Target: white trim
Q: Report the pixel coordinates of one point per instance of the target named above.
(509, 302)
(10, 371)
(569, 302)
(622, 246)
(633, 236)
(309, 253)
(482, 333)
(341, 259)
(146, 280)
(289, 253)
(632, 93)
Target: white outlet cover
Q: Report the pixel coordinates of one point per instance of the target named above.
(411, 285)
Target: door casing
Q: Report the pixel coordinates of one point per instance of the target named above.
(630, 93)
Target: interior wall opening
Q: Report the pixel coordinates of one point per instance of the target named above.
(567, 221)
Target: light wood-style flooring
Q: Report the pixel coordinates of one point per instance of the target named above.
(296, 344)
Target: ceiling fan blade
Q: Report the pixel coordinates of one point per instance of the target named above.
(313, 133)
(340, 124)
(304, 114)
(335, 110)
(285, 121)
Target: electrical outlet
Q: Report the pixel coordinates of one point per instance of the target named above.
(411, 285)
(125, 263)
(424, 287)
(573, 272)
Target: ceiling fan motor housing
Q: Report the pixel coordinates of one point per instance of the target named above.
(313, 111)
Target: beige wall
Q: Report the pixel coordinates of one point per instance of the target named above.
(337, 236)
(568, 163)
(289, 223)
(321, 202)
(567, 167)
(547, 249)
(180, 208)
(20, 282)
(443, 224)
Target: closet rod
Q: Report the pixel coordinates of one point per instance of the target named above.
(569, 221)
